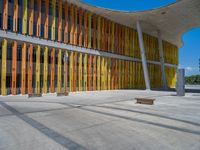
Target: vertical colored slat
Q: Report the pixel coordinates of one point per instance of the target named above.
(66, 71)
(75, 24)
(119, 80)
(45, 70)
(59, 20)
(103, 33)
(5, 14)
(90, 72)
(98, 73)
(85, 29)
(24, 17)
(46, 19)
(15, 16)
(38, 21)
(122, 64)
(66, 24)
(113, 37)
(75, 71)
(94, 32)
(37, 90)
(80, 77)
(14, 67)
(89, 30)
(116, 74)
(109, 74)
(53, 19)
(30, 68)
(52, 70)
(23, 74)
(85, 72)
(106, 74)
(116, 38)
(31, 17)
(71, 24)
(71, 71)
(3, 67)
(94, 73)
(102, 73)
(99, 33)
(80, 38)
(109, 35)
(59, 71)
(113, 74)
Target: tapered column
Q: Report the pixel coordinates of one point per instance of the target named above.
(46, 19)
(38, 21)
(80, 27)
(37, 90)
(53, 20)
(59, 71)
(23, 70)
(66, 24)
(52, 70)
(85, 73)
(59, 20)
(94, 73)
(80, 72)
(5, 14)
(3, 67)
(65, 71)
(31, 17)
(142, 51)
(98, 73)
(24, 17)
(30, 68)
(15, 16)
(45, 70)
(162, 61)
(14, 67)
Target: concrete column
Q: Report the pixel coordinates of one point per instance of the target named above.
(142, 51)
(162, 61)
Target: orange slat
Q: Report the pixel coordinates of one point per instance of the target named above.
(31, 17)
(14, 67)
(5, 14)
(46, 19)
(94, 32)
(23, 73)
(80, 27)
(52, 70)
(38, 21)
(15, 16)
(94, 73)
(30, 68)
(66, 23)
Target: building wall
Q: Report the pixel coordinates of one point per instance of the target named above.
(27, 68)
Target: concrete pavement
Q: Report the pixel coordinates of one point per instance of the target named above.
(100, 121)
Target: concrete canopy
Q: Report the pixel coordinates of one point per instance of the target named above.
(172, 20)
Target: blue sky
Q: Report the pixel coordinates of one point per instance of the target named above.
(188, 54)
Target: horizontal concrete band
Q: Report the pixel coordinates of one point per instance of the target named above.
(58, 45)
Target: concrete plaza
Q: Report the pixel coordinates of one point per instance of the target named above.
(106, 120)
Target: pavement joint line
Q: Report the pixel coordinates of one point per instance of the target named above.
(143, 121)
(152, 114)
(57, 137)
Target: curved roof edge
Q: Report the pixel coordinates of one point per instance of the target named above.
(172, 20)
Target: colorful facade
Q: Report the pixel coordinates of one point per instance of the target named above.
(100, 54)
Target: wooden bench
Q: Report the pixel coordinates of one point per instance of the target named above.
(34, 95)
(63, 94)
(146, 101)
